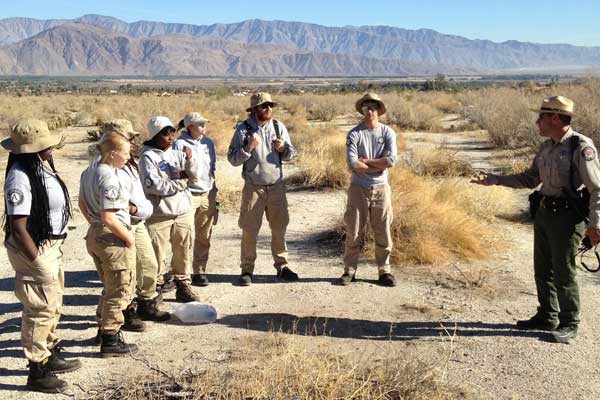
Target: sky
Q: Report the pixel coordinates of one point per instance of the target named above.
(574, 22)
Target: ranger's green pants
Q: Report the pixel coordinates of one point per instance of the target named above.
(556, 238)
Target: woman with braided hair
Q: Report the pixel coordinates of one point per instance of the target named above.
(37, 210)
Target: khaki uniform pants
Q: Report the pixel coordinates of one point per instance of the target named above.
(256, 201)
(177, 231)
(204, 206)
(374, 204)
(146, 264)
(39, 286)
(115, 264)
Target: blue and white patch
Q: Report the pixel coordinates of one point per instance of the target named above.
(380, 140)
(15, 197)
(111, 193)
(588, 153)
(163, 166)
(563, 154)
(148, 182)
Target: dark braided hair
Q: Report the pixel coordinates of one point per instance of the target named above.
(32, 166)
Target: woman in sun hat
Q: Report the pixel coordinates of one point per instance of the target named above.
(33, 191)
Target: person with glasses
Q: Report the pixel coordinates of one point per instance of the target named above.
(37, 210)
(564, 162)
(370, 151)
(165, 173)
(104, 202)
(260, 144)
(203, 189)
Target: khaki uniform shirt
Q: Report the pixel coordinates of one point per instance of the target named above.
(551, 167)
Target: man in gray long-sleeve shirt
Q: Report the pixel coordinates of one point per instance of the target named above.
(370, 151)
(260, 144)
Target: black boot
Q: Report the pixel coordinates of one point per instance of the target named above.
(115, 346)
(57, 364)
(133, 323)
(148, 310)
(42, 379)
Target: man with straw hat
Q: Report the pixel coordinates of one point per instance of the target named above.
(564, 162)
(261, 144)
(370, 151)
(38, 210)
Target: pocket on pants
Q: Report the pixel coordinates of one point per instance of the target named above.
(35, 296)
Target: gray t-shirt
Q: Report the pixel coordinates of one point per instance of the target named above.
(363, 142)
(101, 189)
(17, 192)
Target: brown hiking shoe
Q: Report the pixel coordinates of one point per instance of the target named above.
(42, 379)
(133, 322)
(184, 293)
(148, 310)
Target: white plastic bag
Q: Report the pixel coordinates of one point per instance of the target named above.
(195, 313)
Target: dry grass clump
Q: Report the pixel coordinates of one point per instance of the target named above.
(439, 162)
(407, 114)
(321, 107)
(273, 367)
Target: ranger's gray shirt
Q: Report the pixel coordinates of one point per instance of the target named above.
(130, 178)
(551, 167)
(261, 166)
(362, 142)
(203, 151)
(101, 189)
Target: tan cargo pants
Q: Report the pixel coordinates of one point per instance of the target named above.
(204, 206)
(146, 264)
(39, 286)
(177, 231)
(256, 201)
(373, 204)
(115, 264)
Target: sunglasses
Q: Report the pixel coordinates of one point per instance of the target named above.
(266, 105)
(370, 107)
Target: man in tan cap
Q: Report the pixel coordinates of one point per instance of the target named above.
(261, 144)
(564, 162)
(370, 151)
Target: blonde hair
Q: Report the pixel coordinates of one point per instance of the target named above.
(110, 141)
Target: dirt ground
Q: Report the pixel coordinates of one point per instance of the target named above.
(426, 315)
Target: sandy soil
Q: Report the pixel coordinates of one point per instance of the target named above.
(426, 314)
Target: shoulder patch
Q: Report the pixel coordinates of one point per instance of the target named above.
(348, 141)
(588, 153)
(163, 165)
(111, 193)
(15, 197)
(148, 182)
(380, 140)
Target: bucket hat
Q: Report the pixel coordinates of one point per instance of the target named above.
(30, 136)
(121, 126)
(370, 97)
(157, 124)
(258, 99)
(194, 118)
(556, 105)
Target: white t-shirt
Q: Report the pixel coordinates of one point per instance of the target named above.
(17, 192)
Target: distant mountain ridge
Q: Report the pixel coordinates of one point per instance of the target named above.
(409, 47)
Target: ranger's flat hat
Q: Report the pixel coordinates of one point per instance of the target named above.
(258, 99)
(370, 97)
(121, 126)
(194, 118)
(30, 136)
(556, 105)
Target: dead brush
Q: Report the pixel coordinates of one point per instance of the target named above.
(439, 162)
(274, 367)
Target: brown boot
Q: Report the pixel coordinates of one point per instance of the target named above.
(184, 292)
(148, 310)
(133, 323)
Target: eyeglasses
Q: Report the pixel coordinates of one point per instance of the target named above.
(266, 105)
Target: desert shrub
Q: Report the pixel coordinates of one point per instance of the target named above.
(409, 115)
(440, 162)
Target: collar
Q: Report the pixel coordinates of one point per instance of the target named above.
(565, 137)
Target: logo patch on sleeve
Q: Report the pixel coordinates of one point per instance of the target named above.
(148, 182)
(588, 153)
(111, 193)
(380, 140)
(15, 197)
(163, 166)
(348, 142)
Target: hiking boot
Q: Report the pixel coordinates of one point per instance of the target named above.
(346, 279)
(563, 334)
(168, 286)
(148, 310)
(536, 323)
(43, 379)
(199, 280)
(387, 279)
(57, 364)
(133, 323)
(184, 293)
(287, 274)
(115, 346)
(245, 279)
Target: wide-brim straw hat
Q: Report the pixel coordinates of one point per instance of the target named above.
(371, 97)
(120, 126)
(258, 99)
(556, 105)
(30, 136)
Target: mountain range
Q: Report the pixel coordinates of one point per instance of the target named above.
(100, 45)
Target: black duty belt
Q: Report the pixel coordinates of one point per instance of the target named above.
(58, 237)
(554, 203)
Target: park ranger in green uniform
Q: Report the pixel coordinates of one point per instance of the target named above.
(563, 163)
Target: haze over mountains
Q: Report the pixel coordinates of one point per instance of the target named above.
(99, 45)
